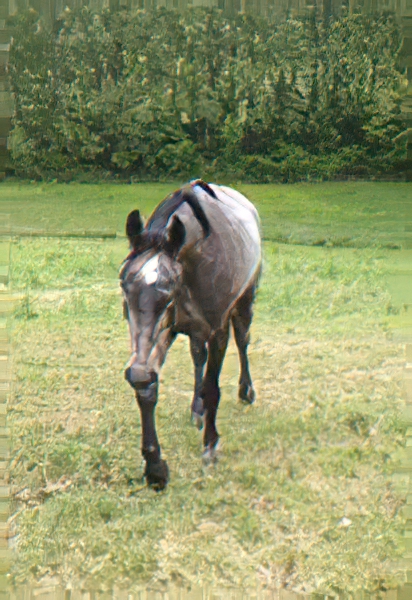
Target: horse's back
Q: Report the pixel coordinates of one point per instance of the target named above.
(235, 196)
(224, 264)
(234, 218)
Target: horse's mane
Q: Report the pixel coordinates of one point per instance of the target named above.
(152, 237)
(161, 215)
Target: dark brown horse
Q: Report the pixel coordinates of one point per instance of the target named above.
(192, 269)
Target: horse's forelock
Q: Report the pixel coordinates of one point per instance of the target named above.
(148, 240)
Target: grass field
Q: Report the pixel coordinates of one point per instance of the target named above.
(353, 214)
(301, 496)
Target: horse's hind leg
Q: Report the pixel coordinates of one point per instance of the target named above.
(210, 390)
(199, 355)
(241, 320)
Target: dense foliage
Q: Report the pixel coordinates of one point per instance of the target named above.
(165, 94)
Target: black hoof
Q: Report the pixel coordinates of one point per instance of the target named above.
(157, 475)
(246, 393)
(198, 420)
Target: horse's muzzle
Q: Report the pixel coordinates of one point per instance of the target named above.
(139, 377)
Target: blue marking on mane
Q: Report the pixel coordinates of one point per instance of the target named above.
(205, 187)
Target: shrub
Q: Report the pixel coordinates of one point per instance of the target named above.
(161, 94)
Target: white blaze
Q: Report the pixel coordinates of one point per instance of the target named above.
(149, 270)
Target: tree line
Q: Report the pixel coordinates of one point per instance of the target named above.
(167, 94)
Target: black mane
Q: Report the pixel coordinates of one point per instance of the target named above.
(160, 217)
(152, 237)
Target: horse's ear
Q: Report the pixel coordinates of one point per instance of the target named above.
(134, 227)
(176, 235)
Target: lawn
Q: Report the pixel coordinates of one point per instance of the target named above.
(352, 214)
(302, 494)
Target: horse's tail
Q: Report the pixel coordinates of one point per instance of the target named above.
(164, 211)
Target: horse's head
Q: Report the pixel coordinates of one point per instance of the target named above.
(149, 279)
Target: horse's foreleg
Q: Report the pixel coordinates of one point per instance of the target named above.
(241, 320)
(199, 356)
(156, 472)
(211, 392)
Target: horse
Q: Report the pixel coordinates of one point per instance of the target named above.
(192, 269)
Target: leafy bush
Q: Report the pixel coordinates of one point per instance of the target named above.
(161, 94)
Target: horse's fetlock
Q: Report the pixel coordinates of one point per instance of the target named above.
(210, 453)
(151, 454)
(197, 405)
(246, 393)
(198, 420)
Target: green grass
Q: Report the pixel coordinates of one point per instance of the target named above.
(301, 496)
(337, 214)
